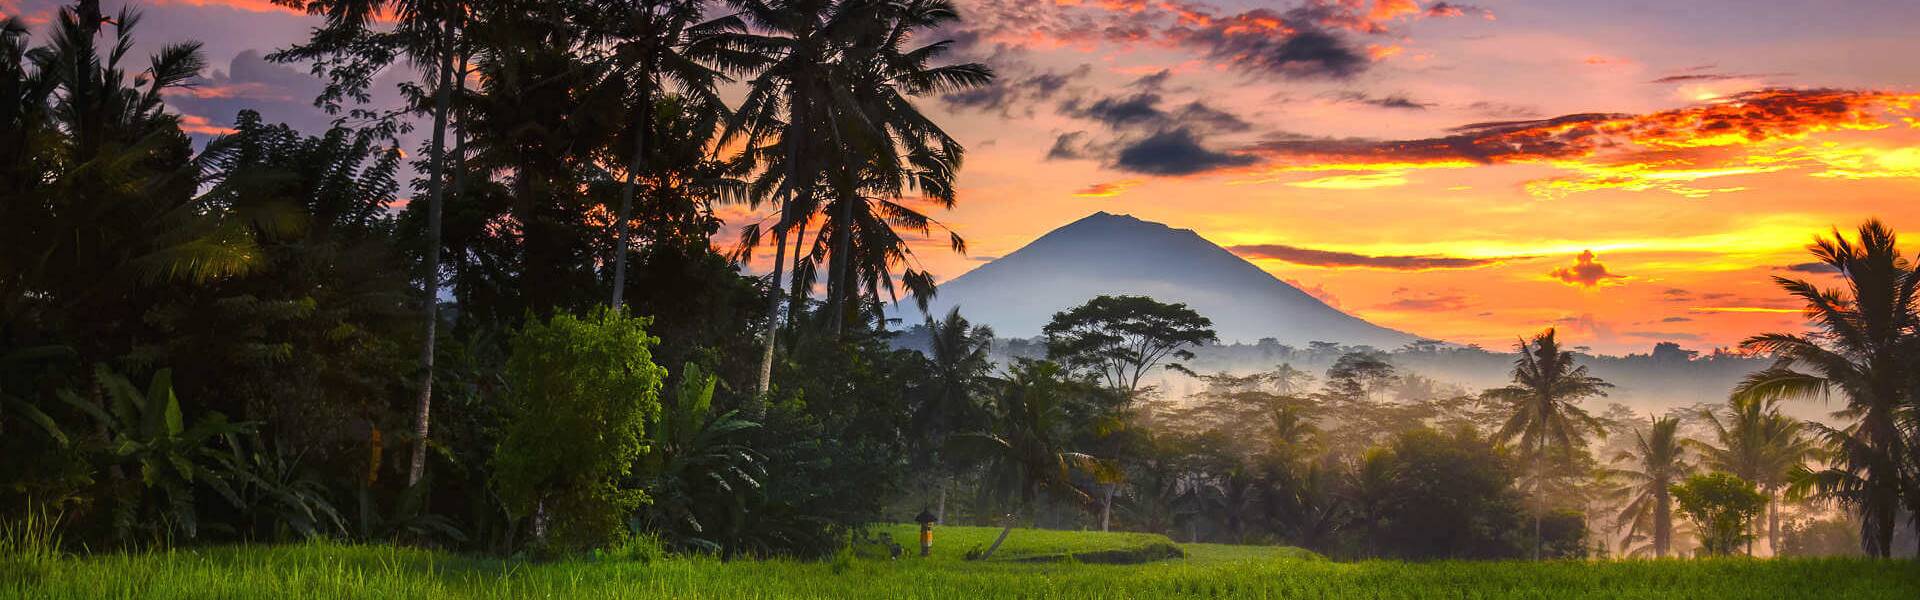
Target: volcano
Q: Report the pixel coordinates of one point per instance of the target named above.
(1121, 255)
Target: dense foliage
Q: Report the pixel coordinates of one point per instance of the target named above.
(579, 395)
(1723, 507)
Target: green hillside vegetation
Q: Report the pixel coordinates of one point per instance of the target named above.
(328, 570)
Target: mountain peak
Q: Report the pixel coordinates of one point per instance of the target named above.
(1113, 254)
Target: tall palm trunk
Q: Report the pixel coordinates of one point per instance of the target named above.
(643, 117)
(797, 295)
(838, 294)
(1773, 522)
(1539, 498)
(758, 408)
(791, 147)
(436, 194)
(1662, 524)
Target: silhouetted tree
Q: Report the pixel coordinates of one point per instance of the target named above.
(1656, 462)
(1544, 409)
(1120, 338)
(1861, 349)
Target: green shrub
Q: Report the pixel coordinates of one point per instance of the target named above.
(580, 392)
(642, 548)
(1722, 508)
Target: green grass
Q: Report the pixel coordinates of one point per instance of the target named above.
(323, 570)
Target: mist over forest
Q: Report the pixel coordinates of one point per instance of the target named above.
(1666, 378)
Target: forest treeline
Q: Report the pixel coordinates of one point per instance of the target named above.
(536, 345)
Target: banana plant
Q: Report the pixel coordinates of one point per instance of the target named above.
(277, 492)
(697, 472)
(146, 434)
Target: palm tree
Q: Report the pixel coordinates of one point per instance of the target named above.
(773, 122)
(1025, 450)
(958, 352)
(1544, 404)
(98, 185)
(351, 50)
(889, 147)
(830, 113)
(1861, 349)
(1758, 444)
(1657, 461)
(656, 43)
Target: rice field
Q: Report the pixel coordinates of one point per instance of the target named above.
(1033, 564)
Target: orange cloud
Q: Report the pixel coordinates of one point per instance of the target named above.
(1108, 189)
(1379, 52)
(1586, 272)
(260, 6)
(1363, 181)
(1743, 309)
(197, 124)
(1654, 151)
(253, 90)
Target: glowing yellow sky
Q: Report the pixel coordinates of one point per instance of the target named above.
(1698, 185)
(1693, 147)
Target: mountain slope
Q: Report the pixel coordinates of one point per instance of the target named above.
(1119, 254)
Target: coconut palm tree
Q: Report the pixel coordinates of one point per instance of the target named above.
(958, 353)
(889, 147)
(1025, 448)
(775, 122)
(1657, 461)
(828, 118)
(1860, 349)
(1544, 408)
(660, 46)
(1757, 443)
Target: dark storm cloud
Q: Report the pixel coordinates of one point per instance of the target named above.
(1016, 96)
(1174, 152)
(1142, 109)
(1290, 45)
(1397, 101)
(1072, 145)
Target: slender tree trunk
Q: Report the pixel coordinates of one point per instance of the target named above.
(758, 408)
(436, 196)
(643, 119)
(1106, 508)
(1662, 524)
(1539, 498)
(940, 507)
(842, 265)
(1004, 530)
(797, 296)
(1773, 523)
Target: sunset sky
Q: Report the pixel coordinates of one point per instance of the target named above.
(1630, 171)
